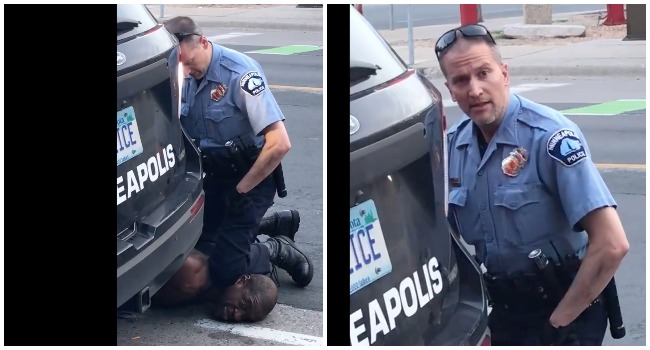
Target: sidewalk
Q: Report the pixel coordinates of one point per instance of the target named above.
(281, 17)
(599, 57)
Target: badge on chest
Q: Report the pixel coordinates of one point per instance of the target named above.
(218, 92)
(514, 162)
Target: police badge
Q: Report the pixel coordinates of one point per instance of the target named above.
(514, 162)
(217, 93)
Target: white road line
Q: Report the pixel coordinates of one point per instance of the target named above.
(262, 333)
(230, 36)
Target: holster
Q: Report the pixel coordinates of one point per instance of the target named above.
(529, 292)
(521, 293)
(217, 163)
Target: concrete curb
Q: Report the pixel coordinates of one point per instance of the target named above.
(584, 70)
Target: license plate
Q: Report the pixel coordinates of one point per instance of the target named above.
(369, 258)
(128, 136)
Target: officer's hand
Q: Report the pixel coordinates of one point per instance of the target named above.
(552, 336)
(237, 203)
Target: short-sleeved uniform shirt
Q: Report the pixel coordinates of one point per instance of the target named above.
(233, 100)
(506, 206)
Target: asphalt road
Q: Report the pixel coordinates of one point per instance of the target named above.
(423, 15)
(296, 82)
(618, 147)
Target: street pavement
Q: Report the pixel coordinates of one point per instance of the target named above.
(292, 59)
(283, 17)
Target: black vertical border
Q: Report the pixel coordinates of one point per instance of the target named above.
(338, 56)
(59, 272)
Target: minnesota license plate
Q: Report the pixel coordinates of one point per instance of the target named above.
(128, 136)
(369, 258)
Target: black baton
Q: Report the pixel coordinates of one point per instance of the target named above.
(278, 177)
(616, 327)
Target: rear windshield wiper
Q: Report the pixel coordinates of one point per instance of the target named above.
(360, 71)
(126, 24)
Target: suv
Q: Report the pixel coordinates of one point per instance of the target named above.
(159, 177)
(412, 280)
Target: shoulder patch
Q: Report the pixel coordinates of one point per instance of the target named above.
(565, 146)
(252, 83)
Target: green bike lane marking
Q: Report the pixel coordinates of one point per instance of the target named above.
(608, 108)
(287, 50)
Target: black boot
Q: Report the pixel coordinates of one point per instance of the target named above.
(285, 255)
(284, 222)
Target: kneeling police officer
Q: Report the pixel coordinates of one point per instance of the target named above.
(227, 102)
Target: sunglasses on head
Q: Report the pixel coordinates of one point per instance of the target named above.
(468, 31)
(181, 36)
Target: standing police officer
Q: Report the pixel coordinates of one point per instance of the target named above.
(521, 178)
(226, 98)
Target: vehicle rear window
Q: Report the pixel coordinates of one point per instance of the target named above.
(366, 45)
(134, 13)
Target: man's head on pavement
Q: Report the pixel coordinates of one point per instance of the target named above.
(477, 78)
(195, 48)
(250, 299)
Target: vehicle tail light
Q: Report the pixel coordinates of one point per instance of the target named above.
(153, 29)
(397, 79)
(486, 341)
(197, 206)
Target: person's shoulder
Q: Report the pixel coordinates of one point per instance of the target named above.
(540, 116)
(237, 62)
(458, 126)
(561, 138)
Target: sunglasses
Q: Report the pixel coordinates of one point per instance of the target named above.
(181, 36)
(468, 31)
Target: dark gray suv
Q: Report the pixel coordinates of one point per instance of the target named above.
(412, 282)
(159, 176)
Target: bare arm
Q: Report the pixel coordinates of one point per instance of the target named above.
(607, 247)
(276, 146)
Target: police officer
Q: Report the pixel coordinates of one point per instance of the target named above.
(226, 98)
(521, 178)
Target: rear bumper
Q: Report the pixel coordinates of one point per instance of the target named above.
(156, 263)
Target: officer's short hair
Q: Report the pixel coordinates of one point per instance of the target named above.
(265, 289)
(185, 25)
(493, 47)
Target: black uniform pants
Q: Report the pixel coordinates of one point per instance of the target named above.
(509, 328)
(229, 239)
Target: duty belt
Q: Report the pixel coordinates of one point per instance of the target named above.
(523, 293)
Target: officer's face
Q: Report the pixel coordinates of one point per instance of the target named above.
(477, 81)
(238, 304)
(195, 57)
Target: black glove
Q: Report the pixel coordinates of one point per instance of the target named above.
(552, 336)
(237, 203)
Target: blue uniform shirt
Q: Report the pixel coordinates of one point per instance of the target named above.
(506, 217)
(232, 100)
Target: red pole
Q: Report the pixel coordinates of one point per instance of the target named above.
(615, 15)
(468, 14)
